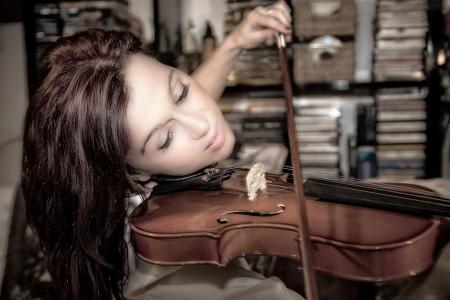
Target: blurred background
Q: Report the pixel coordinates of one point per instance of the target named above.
(371, 91)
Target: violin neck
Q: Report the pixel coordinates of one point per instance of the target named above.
(377, 196)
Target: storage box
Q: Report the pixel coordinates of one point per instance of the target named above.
(314, 18)
(315, 66)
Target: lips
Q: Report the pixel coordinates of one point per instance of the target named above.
(218, 138)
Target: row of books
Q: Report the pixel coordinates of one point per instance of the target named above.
(329, 133)
(401, 28)
(401, 133)
(318, 132)
(68, 17)
(259, 127)
(258, 66)
(259, 124)
(48, 24)
(324, 126)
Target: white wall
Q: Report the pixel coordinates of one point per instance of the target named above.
(143, 9)
(13, 100)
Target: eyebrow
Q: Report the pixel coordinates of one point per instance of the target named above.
(169, 82)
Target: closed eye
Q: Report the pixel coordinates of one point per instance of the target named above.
(167, 142)
(183, 95)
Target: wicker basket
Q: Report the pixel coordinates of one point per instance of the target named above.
(315, 18)
(309, 67)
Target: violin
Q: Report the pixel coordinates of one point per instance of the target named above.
(215, 223)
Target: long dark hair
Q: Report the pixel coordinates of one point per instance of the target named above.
(75, 179)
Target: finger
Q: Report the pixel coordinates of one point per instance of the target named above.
(271, 38)
(264, 35)
(271, 22)
(284, 9)
(281, 15)
(283, 6)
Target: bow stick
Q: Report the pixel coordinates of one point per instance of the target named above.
(305, 242)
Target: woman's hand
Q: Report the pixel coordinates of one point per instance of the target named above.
(261, 25)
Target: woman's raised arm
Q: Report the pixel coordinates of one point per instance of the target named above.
(260, 25)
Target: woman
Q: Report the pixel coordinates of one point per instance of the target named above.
(106, 118)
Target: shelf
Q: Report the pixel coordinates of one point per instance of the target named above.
(337, 87)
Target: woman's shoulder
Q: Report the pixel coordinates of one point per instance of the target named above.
(134, 200)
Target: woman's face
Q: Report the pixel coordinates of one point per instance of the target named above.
(175, 127)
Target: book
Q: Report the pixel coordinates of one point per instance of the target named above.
(400, 138)
(318, 148)
(401, 115)
(401, 164)
(410, 126)
(400, 154)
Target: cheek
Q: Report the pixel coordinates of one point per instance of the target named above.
(183, 157)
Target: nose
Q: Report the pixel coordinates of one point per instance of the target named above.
(195, 123)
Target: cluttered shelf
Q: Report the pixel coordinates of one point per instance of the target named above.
(361, 76)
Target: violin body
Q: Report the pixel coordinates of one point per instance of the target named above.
(211, 227)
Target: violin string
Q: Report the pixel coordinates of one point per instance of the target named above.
(411, 196)
(409, 201)
(221, 175)
(398, 189)
(393, 188)
(382, 185)
(354, 187)
(415, 201)
(233, 167)
(411, 192)
(225, 172)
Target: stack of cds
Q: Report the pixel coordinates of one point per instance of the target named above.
(85, 15)
(47, 22)
(255, 120)
(48, 28)
(400, 40)
(401, 133)
(258, 66)
(259, 127)
(318, 130)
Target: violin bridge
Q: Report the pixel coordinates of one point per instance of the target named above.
(256, 180)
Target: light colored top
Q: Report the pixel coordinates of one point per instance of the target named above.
(235, 281)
